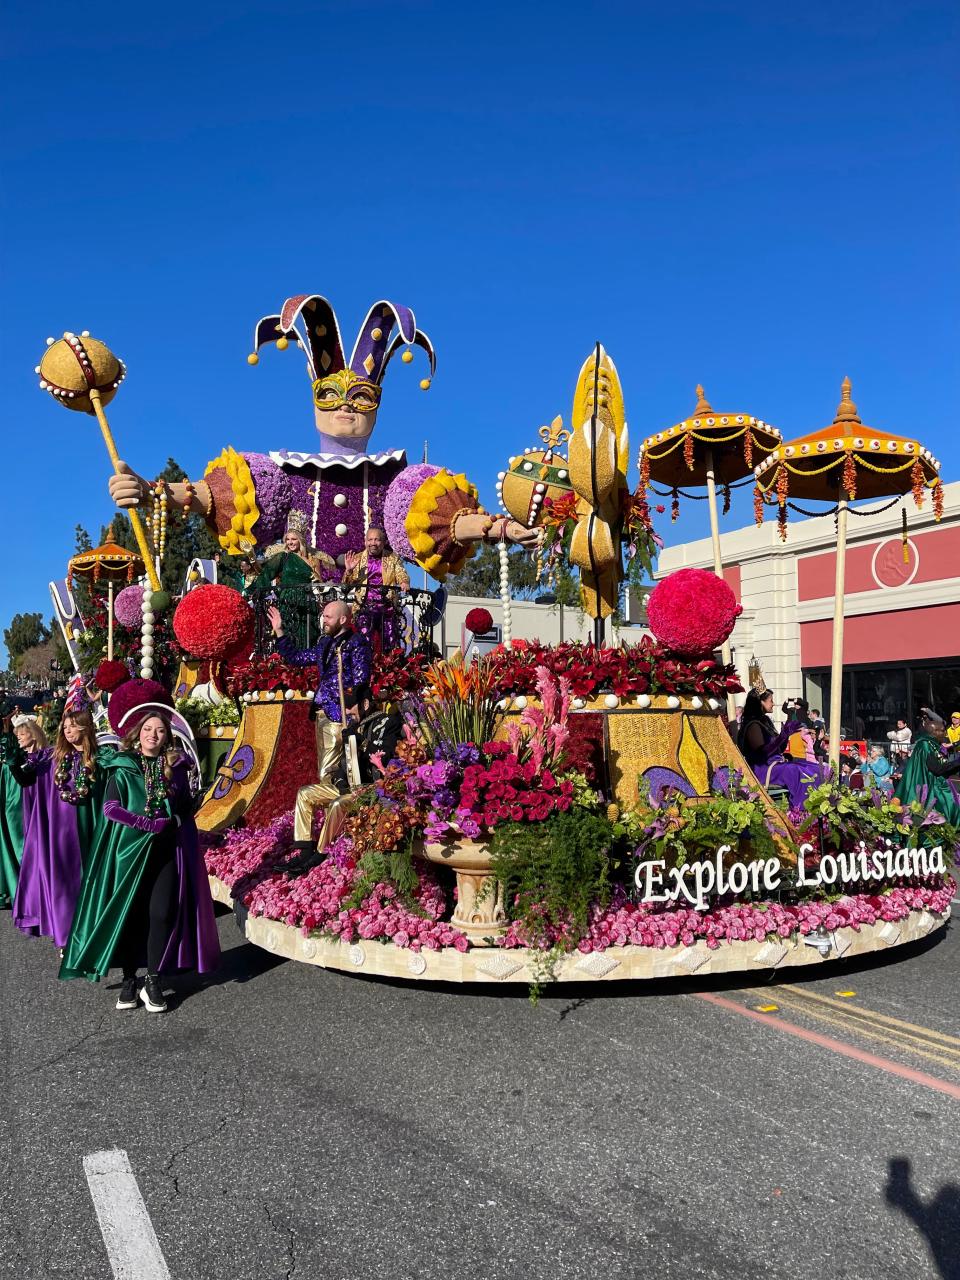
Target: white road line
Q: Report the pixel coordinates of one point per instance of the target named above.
(132, 1245)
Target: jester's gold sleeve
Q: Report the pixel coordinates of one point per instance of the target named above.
(437, 503)
(233, 508)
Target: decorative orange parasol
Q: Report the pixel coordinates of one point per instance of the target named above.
(704, 450)
(111, 564)
(843, 462)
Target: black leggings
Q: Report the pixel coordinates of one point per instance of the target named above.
(153, 911)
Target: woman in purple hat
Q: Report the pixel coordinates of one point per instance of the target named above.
(145, 901)
(62, 810)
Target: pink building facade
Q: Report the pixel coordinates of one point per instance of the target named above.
(902, 633)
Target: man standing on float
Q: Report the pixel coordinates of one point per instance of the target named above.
(431, 516)
(344, 662)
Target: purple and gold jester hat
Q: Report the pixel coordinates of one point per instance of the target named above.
(310, 321)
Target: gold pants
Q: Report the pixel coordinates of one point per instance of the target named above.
(322, 792)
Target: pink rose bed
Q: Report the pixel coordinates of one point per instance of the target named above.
(251, 863)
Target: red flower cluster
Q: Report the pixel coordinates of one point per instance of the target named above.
(214, 622)
(111, 674)
(504, 790)
(642, 668)
(397, 673)
(270, 672)
(692, 612)
(479, 621)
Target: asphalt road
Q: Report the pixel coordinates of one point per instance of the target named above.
(283, 1122)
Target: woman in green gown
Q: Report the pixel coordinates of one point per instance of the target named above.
(289, 572)
(14, 745)
(928, 768)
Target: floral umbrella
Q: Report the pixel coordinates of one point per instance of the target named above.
(843, 462)
(111, 564)
(704, 450)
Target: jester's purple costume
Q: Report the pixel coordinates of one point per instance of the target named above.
(341, 490)
(346, 656)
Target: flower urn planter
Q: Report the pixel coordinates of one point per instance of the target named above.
(479, 912)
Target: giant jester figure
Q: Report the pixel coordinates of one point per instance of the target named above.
(431, 516)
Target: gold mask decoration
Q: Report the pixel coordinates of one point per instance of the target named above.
(346, 389)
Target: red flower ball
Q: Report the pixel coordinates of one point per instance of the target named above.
(111, 675)
(214, 622)
(692, 612)
(479, 621)
(134, 693)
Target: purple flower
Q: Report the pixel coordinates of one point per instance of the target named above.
(397, 505)
(274, 497)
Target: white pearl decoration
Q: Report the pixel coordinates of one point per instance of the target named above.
(713, 704)
(340, 530)
(611, 700)
(673, 702)
(643, 700)
(696, 702)
(520, 703)
(339, 499)
(579, 703)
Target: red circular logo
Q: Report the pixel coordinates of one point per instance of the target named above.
(889, 568)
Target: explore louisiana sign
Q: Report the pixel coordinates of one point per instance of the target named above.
(698, 882)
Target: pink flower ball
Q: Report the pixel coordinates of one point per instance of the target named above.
(692, 612)
(128, 607)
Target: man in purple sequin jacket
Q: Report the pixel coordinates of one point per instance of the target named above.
(344, 662)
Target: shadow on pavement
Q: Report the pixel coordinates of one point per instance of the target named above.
(938, 1219)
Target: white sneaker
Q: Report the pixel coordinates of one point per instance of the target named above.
(152, 996)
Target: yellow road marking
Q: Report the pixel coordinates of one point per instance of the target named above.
(845, 994)
(902, 1040)
(858, 1011)
(767, 1008)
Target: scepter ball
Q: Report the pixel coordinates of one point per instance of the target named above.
(76, 364)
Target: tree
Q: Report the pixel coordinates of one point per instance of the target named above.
(35, 662)
(25, 631)
(61, 653)
(480, 576)
(83, 540)
(187, 539)
(120, 531)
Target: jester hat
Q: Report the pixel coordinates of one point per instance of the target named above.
(311, 321)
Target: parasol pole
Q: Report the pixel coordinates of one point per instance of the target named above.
(725, 650)
(134, 515)
(110, 620)
(836, 663)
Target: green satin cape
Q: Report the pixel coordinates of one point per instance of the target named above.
(111, 879)
(916, 775)
(11, 824)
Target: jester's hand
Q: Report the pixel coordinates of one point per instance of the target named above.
(519, 534)
(127, 489)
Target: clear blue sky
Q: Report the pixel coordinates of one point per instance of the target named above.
(759, 197)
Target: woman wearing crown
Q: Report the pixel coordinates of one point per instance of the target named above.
(431, 516)
(290, 567)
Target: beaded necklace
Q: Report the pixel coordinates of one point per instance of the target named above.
(73, 779)
(156, 783)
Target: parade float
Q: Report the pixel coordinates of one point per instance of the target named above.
(566, 813)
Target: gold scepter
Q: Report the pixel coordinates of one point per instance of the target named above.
(82, 373)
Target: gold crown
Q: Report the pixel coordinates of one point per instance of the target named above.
(755, 676)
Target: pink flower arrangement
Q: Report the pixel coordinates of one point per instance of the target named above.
(252, 863)
(692, 612)
(626, 923)
(128, 606)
